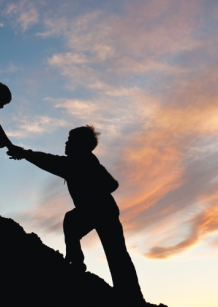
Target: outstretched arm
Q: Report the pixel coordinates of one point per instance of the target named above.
(56, 165)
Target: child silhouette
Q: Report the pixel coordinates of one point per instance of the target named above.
(90, 186)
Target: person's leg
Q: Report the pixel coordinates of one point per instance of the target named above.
(123, 272)
(75, 227)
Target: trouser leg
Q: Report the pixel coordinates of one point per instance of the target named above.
(123, 272)
(75, 227)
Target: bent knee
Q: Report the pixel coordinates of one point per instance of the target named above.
(69, 216)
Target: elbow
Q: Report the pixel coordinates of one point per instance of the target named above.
(115, 186)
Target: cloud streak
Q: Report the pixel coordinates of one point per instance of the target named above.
(24, 14)
(201, 225)
(37, 125)
(171, 165)
(146, 76)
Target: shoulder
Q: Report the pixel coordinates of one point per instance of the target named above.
(89, 162)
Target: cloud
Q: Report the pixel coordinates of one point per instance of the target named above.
(201, 225)
(164, 162)
(147, 76)
(135, 42)
(55, 27)
(170, 166)
(23, 13)
(10, 69)
(47, 212)
(37, 125)
(11, 8)
(113, 112)
(67, 59)
(28, 18)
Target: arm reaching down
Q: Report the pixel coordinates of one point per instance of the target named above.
(4, 140)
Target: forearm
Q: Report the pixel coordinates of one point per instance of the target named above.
(53, 164)
(39, 159)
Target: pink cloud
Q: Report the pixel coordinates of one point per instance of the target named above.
(170, 166)
(23, 13)
(201, 225)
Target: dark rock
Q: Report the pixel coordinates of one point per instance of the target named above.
(32, 274)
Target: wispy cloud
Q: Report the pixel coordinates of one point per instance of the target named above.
(161, 42)
(171, 165)
(28, 18)
(201, 225)
(147, 76)
(128, 44)
(24, 14)
(10, 69)
(37, 125)
(46, 215)
(54, 27)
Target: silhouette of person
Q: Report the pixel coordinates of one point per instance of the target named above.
(5, 98)
(90, 186)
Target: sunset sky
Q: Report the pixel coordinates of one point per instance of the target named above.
(145, 74)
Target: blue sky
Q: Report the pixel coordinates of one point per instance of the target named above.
(145, 74)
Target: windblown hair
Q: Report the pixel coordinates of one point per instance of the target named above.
(93, 137)
(87, 136)
(5, 93)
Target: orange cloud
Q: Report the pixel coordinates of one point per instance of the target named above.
(170, 166)
(201, 225)
(165, 125)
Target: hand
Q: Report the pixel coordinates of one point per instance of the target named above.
(16, 152)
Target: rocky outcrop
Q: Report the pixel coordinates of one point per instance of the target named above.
(32, 274)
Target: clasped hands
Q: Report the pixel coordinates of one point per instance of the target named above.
(15, 152)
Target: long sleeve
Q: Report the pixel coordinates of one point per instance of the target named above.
(57, 165)
(107, 179)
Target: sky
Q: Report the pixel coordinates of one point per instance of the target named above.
(145, 74)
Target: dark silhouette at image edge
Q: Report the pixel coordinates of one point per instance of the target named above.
(33, 274)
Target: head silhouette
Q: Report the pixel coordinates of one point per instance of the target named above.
(5, 95)
(81, 140)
